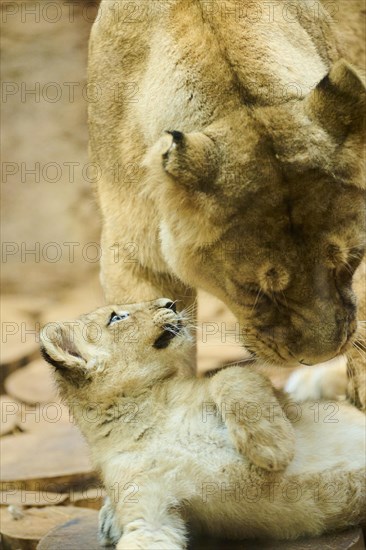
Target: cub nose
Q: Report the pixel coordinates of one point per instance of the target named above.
(165, 303)
(171, 305)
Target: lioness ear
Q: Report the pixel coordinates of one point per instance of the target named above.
(339, 101)
(191, 159)
(58, 346)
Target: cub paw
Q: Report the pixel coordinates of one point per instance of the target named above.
(108, 531)
(148, 541)
(271, 457)
(271, 446)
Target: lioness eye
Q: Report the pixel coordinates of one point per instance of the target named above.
(116, 317)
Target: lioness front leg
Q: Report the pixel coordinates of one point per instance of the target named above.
(256, 422)
(125, 280)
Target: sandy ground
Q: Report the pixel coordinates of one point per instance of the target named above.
(46, 189)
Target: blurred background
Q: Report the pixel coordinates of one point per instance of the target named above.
(50, 230)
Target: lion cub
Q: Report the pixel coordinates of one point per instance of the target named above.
(218, 454)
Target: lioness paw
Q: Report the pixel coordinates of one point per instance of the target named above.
(324, 381)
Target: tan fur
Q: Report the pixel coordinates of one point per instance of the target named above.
(356, 357)
(344, 376)
(257, 193)
(173, 449)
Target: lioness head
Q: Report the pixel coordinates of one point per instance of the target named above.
(266, 210)
(137, 343)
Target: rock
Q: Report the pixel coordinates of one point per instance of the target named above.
(53, 463)
(80, 533)
(19, 340)
(43, 417)
(89, 497)
(8, 414)
(32, 384)
(32, 524)
(31, 498)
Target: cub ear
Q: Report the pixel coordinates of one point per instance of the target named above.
(58, 346)
(339, 101)
(190, 159)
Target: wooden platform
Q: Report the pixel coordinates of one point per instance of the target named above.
(81, 533)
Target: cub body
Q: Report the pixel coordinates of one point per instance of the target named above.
(219, 456)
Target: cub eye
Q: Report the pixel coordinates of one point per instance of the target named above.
(116, 317)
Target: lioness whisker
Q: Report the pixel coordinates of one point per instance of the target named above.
(359, 351)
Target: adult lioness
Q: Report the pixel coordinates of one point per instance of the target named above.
(176, 450)
(256, 193)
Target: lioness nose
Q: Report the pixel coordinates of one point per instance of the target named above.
(320, 351)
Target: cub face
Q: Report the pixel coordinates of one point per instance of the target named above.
(118, 347)
(266, 210)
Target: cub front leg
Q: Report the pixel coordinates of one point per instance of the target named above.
(150, 519)
(154, 530)
(254, 417)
